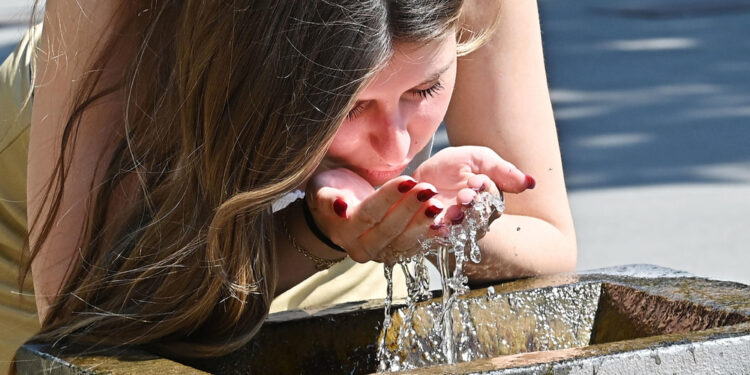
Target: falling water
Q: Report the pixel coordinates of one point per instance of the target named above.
(441, 343)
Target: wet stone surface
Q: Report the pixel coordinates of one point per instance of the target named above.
(590, 322)
(500, 324)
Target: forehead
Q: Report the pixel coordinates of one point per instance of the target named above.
(412, 64)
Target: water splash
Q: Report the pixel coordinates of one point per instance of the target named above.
(417, 286)
(442, 344)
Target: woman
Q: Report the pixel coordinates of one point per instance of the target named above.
(163, 132)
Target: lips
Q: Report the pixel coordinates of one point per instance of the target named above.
(378, 177)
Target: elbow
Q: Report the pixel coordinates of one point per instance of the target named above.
(569, 263)
(565, 249)
(569, 259)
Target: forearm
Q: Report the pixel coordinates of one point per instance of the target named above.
(518, 246)
(501, 101)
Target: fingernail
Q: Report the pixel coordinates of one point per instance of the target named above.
(339, 206)
(530, 182)
(478, 189)
(436, 226)
(433, 211)
(458, 219)
(406, 186)
(468, 204)
(425, 195)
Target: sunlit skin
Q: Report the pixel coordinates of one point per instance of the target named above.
(396, 115)
(359, 198)
(501, 101)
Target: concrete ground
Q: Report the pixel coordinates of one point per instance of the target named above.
(652, 100)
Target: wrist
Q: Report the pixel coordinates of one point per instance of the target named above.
(305, 237)
(313, 227)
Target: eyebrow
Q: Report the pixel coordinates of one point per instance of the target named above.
(436, 75)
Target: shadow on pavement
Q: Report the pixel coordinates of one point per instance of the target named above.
(643, 100)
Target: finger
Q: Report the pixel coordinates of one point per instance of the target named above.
(465, 197)
(331, 203)
(372, 210)
(479, 182)
(334, 191)
(407, 243)
(417, 206)
(342, 179)
(454, 215)
(482, 183)
(423, 224)
(476, 183)
(330, 209)
(505, 174)
(362, 216)
(492, 189)
(487, 185)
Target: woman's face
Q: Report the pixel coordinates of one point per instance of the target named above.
(397, 113)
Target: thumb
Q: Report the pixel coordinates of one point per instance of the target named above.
(504, 174)
(341, 179)
(332, 203)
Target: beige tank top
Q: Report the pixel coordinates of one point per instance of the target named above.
(18, 319)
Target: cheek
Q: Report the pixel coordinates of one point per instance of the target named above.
(428, 120)
(346, 139)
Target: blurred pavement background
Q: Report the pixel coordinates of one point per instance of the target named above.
(14, 20)
(652, 100)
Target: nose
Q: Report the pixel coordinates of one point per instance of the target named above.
(390, 137)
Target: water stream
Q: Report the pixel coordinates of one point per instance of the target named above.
(442, 344)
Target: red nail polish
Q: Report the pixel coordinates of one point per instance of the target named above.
(433, 211)
(436, 226)
(339, 206)
(406, 186)
(530, 182)
(425, 195)
(458, 219)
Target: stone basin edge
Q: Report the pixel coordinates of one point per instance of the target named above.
(664, 282)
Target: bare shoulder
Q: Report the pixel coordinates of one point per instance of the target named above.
(478, 14)
(73, 28)
(73, 38)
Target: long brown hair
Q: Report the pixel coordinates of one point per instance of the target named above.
(229, 105)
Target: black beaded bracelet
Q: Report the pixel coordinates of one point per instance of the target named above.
(316, 231)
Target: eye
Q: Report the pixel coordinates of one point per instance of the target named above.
(429, 91)
(355, 111)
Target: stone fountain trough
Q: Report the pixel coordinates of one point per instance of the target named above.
(631, 319)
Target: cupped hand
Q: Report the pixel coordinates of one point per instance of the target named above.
(372, 224)
(459, 173)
